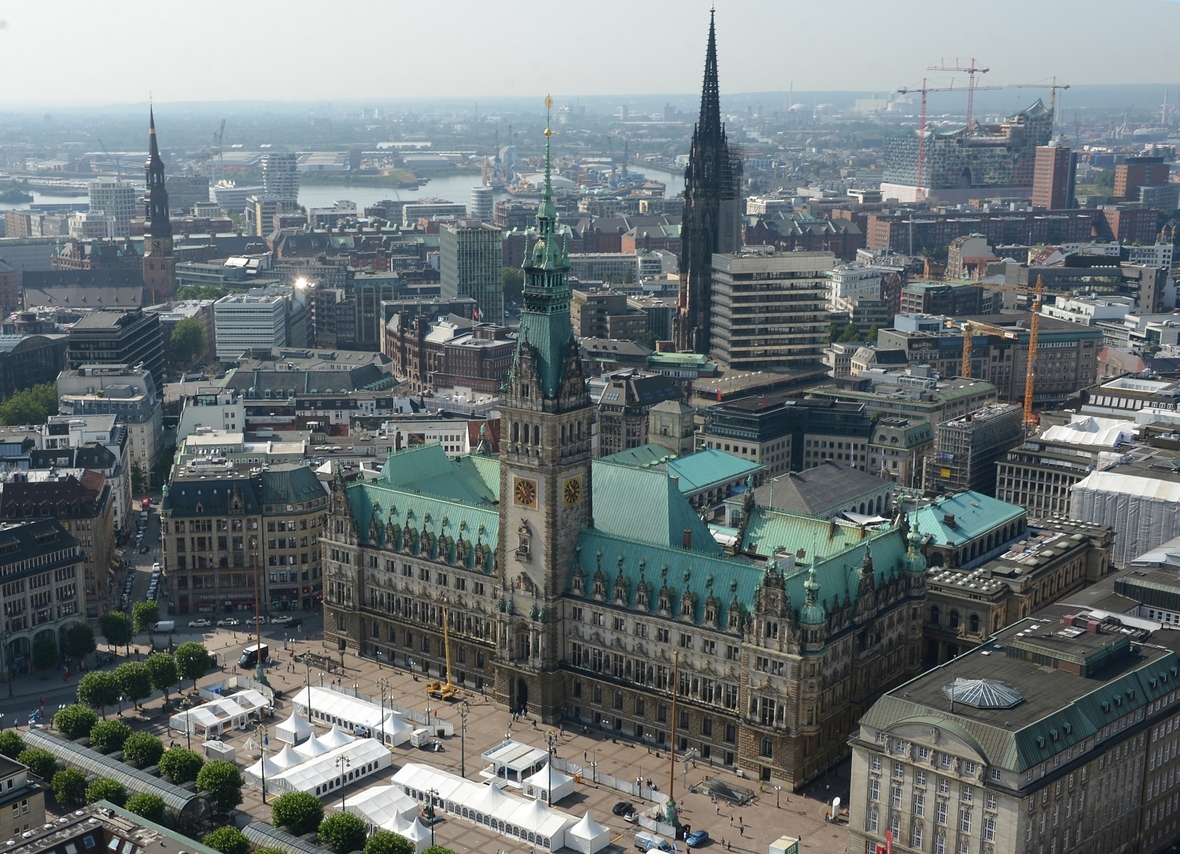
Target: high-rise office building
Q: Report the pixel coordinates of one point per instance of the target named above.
(1136, 172)
(280, 177)
(158, 272)
(770, 310)
(116, 199)
(966, 449)
(712, 211)
(470, 259)
(482, 203)
(1053, 178)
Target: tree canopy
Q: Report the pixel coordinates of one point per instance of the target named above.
(45, 654)
(146, 614)
(11, 744)
(162, 668)
(343, 832)
(109, 736)
(301, 812)
(79, 641)
(116, 628)
(142, 749)
(147, 806)
(40, 761)
(204, 292)
(386, 842)
(223, 782)
(69, 787)
(99, 689)
(227, 840)
(187, 341)
(181, 765)
(106, 789)
(192, 660)
(30, 406)
(135, 681)
(75, 721)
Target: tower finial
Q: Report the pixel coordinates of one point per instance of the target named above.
(547, 212)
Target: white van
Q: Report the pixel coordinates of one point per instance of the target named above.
(645, 841)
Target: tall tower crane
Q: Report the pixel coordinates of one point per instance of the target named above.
(1052, 87)
(971, 70)
(1034, 326)
(114, 160)
(924, 89)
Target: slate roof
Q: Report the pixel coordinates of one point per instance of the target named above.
(56, 498)
(213, 496)
(258, 382)
(974, 512)
(818, 491)
(1060, 710)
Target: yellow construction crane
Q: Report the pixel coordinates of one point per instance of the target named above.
(448, 690)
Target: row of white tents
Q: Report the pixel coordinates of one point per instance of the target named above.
(320, 765)
(332, 708)
(529, 820)
(388, 808)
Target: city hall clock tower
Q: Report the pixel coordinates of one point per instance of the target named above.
(545, 493)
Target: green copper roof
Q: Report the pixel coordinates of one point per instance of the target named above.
(696, 472)
(427, 470)
(619, 492)
(974, 514)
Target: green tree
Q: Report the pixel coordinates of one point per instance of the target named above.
(99, 689)
(223, 782)
(343, 832)
(109, 736)
(162, 667)
(135, 681)
(385, 842)
(75, 721)
(850, 333)
(227, 840)
(40, 761)
(192, 660)
(30, 406)
(147, 806)
(513, 280)
(11, 744)
(203, 292)
(1104, 180)
(438, 849)
(300, 812)
(142, 749)
(79, 641)
(871, 335)
(181, 765)
(106, 789)
(45, 655)
(116, 628)
(146, 615)
(138, 478)
(187, 340)
(69, 787)
(833, 333)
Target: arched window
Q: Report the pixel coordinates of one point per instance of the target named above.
(935, 613)
(954, 619)
(973, 623)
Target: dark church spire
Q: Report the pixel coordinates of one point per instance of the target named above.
(155, 197)
(712, 210)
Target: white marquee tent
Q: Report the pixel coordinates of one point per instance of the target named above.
(312, 747)
(587, 836)
(322, 774)
(286, 758)
(358, 717)
(254, 774)
(513, 761)
(418, 834)
(539, 784)
(211, 719)
(530, 821)
(384, 808)
(294, 729)
(335, 738)
(397, 731)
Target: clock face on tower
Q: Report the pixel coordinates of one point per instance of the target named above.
(524, 492)
(572, 492)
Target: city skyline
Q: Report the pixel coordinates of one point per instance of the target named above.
(645, 49)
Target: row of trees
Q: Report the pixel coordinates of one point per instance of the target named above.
(851, 334)
(78, 641)
(30, 406)
(134, 681)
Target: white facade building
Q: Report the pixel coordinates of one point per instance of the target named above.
(1089, 311)
(244, 322)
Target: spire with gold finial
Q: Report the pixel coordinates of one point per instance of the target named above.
(547, 213)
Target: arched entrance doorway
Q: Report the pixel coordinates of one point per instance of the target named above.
(522, 696)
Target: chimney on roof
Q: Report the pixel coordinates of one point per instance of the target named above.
(949, 519)
(687, 538)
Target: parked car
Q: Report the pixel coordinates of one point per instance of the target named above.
(281, 619)
(294, 624)
(697, 838)
(622, 808)
(200, 623)
(229, 621)
(144, 550)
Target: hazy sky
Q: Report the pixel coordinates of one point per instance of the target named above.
(114, 51)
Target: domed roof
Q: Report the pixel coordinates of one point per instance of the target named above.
(983, 693)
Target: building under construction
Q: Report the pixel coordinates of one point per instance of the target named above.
(966, 450)
(996, 159)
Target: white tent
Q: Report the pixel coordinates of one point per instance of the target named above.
(335, 738)
(513, 761)
(587, 836)
(254, 774)
(294, 729)
(324, 774)
(384, 807)
(539, 784)
(211, 719)
(286, 758)
(418, 835)
(397, 731)
(312, 747)
(359, 717)
(250, 700)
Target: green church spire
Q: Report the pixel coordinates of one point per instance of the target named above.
(545, 323)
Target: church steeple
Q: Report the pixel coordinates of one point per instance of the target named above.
(712, 210)
(155, 196)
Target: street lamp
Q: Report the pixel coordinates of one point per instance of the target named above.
(307, 664)
(432, 793)
(464, 709)
(262, 740)
(342, 762)
(550, 740)
(428, 711)
(777, 790)
(383, 685)
(691, 753)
